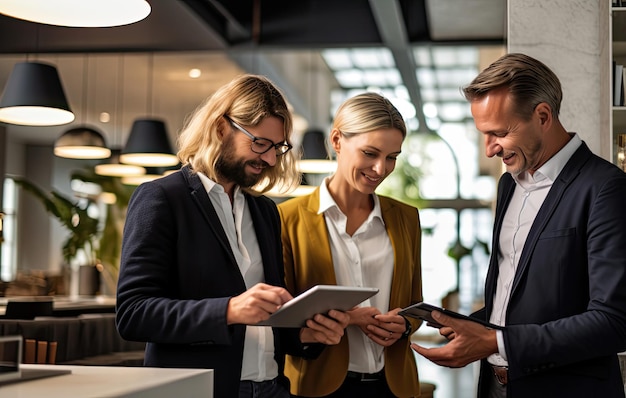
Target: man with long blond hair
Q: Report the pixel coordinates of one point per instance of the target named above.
(201, 254)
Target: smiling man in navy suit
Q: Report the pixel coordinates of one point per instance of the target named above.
(557, 275)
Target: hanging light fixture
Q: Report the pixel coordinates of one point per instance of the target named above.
(315, 158)
(148, 143)
(77, 13)
(114, 168)
(34, 96)
(152, 173)
(83, 142)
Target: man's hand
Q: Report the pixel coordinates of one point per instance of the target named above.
(256, 304)
(325, 329)
(468, 342)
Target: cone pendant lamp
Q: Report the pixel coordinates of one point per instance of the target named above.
(34, 96)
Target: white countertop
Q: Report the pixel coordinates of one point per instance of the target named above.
(112, 381)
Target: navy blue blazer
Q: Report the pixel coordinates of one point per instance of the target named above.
(178, 272)
(566, 319)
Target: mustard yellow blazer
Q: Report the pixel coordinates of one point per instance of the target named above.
(308, 262)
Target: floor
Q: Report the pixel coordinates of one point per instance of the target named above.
(450, 383)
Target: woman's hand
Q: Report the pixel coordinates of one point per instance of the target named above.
(387, 328)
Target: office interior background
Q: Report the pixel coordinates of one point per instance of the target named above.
(416, 52)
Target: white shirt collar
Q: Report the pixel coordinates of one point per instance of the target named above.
(327, 202)
(210, 185)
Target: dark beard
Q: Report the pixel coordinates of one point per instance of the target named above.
(234, 170)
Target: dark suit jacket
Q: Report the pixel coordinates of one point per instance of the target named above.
(566, 318)
(178, 273)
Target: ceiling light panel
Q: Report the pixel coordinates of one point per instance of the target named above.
(456, 77)
(350, 78)
(372, 58)
(338, 59)
(454, 56)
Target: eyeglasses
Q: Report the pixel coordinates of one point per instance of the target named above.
(262, 145)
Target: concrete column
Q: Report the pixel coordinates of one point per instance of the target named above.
(571, 37)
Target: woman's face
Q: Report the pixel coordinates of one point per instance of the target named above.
(365, 160)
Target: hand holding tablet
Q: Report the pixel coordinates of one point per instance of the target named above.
(317, 300)
(423, 311)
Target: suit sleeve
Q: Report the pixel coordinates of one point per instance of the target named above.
(149, 295)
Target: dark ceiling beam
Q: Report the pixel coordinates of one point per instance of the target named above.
(219, 18)
(390, 23)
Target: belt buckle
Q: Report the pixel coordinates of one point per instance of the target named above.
(501, 373)
(364, 377)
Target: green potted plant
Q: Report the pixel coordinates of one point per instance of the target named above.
(100, 242)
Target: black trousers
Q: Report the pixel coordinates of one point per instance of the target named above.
(362, 389)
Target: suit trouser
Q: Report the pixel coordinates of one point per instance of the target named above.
(495, 389)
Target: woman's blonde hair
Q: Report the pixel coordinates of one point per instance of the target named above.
(247, 100)
(367, 112)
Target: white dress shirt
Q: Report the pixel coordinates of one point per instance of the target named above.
(530, 193)
(258, 352)
(363, 259)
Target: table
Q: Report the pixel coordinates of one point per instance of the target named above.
(113, 381)
(70, 306)
(89, 339)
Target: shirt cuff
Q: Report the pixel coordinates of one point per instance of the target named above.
(501, 349)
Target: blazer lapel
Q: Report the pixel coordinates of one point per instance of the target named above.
(506, 187)
(318, 234)
(549, 206)
(201, 198)
(394, 221)
(266, 225)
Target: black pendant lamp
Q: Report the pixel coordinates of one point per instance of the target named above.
(113, 167)
(82, 142)
(34, 96)
(148, 145)
(315, 156)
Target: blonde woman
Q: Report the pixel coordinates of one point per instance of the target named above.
(345, 234)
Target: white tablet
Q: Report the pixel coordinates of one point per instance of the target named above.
(317, 300)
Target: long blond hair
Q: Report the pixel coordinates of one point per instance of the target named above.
(247, 100)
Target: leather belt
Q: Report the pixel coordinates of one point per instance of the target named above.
(366, 376)
(501, 373)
